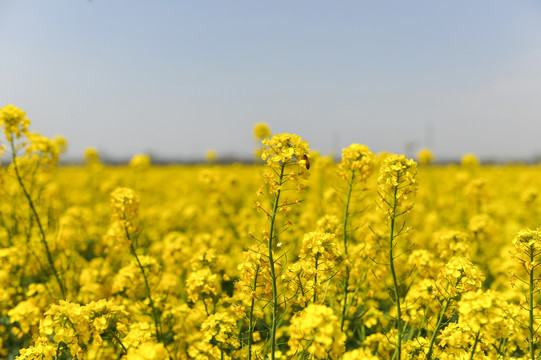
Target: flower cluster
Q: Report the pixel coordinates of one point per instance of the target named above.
(316, 330)
(396, 183)
(140, 162)
(77, 327)
(425, 156)
(459, 276)
(261, 131)
(357, 160)
(125, 205)
(286, 150)
(14, 121)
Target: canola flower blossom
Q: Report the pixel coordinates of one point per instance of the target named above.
(316, 331)
(397, 183)
(357, 160)
(469, 160)
(261, 131)
(425, 157)
(14, 122)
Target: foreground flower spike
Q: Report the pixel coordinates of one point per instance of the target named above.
(356, 167)
(528, 254)
(396, 184)
(458, 277)
(125, 205)
(287, 156)
(31, 152)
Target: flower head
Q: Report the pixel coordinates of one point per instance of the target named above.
(425, 157)
(140, 161)
(396, 182)
(125, 204)
(14, 121)
(317, 329)
(528, 241)
(261, 131)
(469, 161)
(289, 154)
(359, 159)
(91, 155)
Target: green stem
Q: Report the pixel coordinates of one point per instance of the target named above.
(315, 280)
(344, 235)
(475, 344)
(530, 305)
(271, 261)
(115, 336)
(393, 273)
(251, 320)
(438, 325)
(155, 315)
(38, 221)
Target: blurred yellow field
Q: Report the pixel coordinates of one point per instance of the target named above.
(294, 257)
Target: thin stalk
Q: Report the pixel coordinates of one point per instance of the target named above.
(315, 280)
(393, 273)
(155, 315)
(38, 221)
(251, 318)
(345, 237)
(271, 260)
(117, 339)
(531, 330)
(475, 344)
(438, 325)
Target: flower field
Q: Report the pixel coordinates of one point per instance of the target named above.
(294, 257)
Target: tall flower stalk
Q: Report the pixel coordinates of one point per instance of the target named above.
(287, 157)
(457, 277)
(356, 166)
(125, 204)
(39, 151)
(528, 254)
(396, 183)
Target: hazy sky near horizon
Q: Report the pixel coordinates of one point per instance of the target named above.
(175, 78)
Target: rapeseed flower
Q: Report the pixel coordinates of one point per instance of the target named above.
(316, 330)
(261, 131)
(14, 121)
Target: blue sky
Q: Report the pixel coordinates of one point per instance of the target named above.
(175, 78)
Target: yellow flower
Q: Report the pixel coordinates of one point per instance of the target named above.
(91, 156)
(61, 143)
(425, 157)
(316, 329)
(469, 161)
(147, 351)
(287, 153)
(358, 159)
(459, 276)
(211, 156)
(528, 241)
(140, 161)
(261, 131)
(396, 183)
(42, 150)
(14, 121)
